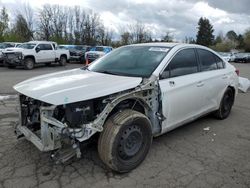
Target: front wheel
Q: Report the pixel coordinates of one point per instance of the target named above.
(125, 140)
(225, 105)
(63, 61)
(29, 63)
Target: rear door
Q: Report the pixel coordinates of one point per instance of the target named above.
(181, 89)
(215, 78)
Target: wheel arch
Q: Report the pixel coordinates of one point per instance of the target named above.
(233, 89)
(133, 103)
(64, 55)
(30, 56)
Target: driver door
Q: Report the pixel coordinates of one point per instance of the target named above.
(181, 89)
(40, 55)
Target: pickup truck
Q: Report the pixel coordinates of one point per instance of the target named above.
(35, 52)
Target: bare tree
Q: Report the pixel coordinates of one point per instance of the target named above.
(104, 36)
(29, 17)
(168, 37)
(4, 19)
(139, 33)
(45, 27)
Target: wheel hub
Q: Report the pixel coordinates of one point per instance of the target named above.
(130, 142)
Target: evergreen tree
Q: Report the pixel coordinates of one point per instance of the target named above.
(21, 29)
(231, 35)
(240, 40)
(205, 32)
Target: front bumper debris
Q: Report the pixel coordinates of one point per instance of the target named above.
(49, 138)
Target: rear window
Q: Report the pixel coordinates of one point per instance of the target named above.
(207, 60)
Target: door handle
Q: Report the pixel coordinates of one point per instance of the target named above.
(171, 83)
(224, 76)
(200, 84)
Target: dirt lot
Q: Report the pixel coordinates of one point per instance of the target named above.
(189, 156)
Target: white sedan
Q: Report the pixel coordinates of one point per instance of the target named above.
(129, 96)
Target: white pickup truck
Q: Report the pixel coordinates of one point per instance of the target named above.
(35, 52)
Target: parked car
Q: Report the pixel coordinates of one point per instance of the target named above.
(129, 96)
(242, 58)
(77, 52)
(35, 52)
(6, 45)
(225, 56)
(97, 52)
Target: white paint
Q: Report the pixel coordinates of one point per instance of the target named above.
(74, 85)
(187, 97)
(206, 128)
(7, 97)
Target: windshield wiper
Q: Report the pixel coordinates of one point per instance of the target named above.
(86, 67)
(108, 72)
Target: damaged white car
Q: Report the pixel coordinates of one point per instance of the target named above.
(126, 98)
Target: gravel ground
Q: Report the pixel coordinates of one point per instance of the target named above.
(205, 153)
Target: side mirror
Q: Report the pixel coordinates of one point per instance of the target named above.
(38, 49)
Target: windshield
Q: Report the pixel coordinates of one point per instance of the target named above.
(27, 46)
(137, 61)
(4, 45)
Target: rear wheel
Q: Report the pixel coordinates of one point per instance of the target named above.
(125, 140)
(29, 63)
(225, 104)
(63, 61)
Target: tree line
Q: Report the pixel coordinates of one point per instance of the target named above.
(69, 25)
(224, 43)
(75, 25)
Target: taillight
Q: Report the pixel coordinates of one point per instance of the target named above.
(237, 72)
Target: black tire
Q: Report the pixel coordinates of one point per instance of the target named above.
(225, 105)
(5, 64)
(125, 140)
(29, 63)
(62, 61)
(11, 66)
(82, 60)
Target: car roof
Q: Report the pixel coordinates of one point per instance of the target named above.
(168, 44)
(46, 42)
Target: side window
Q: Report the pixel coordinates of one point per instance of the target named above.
(41, 46)
(47, 47)
(183, 63)
(207, 59)
(54, 45)
(220, 63)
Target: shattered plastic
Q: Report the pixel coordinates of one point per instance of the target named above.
(244, 84)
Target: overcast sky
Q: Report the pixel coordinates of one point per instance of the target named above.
(177, 16)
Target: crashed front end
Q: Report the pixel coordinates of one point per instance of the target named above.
(51, 127)
(56, 127)
(13, 58)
